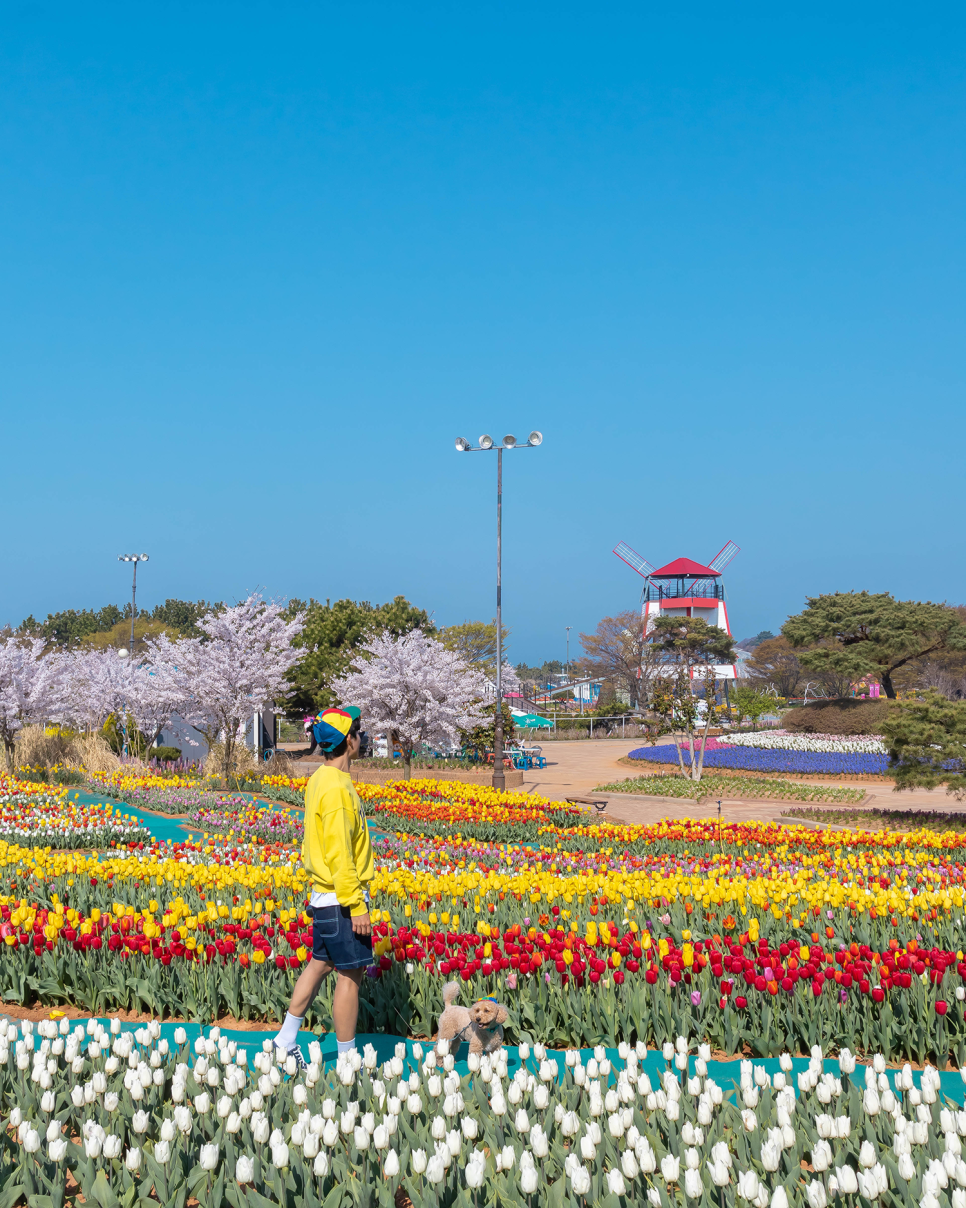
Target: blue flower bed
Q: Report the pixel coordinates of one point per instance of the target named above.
(757, 759)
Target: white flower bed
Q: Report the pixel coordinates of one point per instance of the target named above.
(124, 1114)
(867, 744)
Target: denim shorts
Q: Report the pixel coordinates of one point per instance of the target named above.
(333, 939)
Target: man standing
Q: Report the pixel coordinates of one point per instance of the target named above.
(337, 855)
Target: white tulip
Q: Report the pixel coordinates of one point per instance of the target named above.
(570, 1124)
(615, 1182)
(132, 1160)
(866, 1154)
(280, 1155)
(749, 1120)
(92, 1146)
(815, 1194)
(474, 1170)
(779, 1198)
(418, 1160)
(538, 1142)
(821, 1156)
(720, 1175)
(112, 1146)
(670, 1168)
(693, 1186)
(580, 1180)
(390, 1167)
(748, 1185)
(435, 1169)
(528, 1181)
(209, 1157)
(645, 1156)
(770, 1155)
(57, 1149)
(848, 1183)
(470, 1128)
(360, 1137)
(588, 1150)
(629, 1164)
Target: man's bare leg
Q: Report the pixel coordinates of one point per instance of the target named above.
(345, 1007)
(305, 991)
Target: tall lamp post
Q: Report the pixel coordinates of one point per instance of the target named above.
(135, 558)
(487, 445)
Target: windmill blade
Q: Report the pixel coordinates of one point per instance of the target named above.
(633, 559)
(724, 556)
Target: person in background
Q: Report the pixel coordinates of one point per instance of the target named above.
(337, 855)
(308, 724)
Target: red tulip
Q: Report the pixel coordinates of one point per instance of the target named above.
(941, 1007)
(619, 977)
(741, 1001)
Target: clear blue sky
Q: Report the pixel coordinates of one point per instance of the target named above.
(262, 263)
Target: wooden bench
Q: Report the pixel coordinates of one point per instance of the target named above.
(599, 803)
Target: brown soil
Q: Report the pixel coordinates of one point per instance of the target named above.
(37, 1013)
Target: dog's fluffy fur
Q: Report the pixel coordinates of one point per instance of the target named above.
(481, 1025)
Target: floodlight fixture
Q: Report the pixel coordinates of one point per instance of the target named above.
(462, 445)
(509, 442)
(536, 438)
(486, 442)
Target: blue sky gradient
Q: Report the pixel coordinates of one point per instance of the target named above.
(262, 263)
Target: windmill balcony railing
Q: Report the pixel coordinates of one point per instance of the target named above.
(704, 589)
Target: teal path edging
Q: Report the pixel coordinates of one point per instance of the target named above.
(168, 829)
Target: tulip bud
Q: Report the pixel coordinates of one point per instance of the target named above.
(132, 1160)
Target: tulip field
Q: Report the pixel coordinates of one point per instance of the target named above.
(133, 1117)
(748, 939)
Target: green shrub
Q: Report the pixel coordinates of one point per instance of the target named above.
(165, 754)
(838, 717)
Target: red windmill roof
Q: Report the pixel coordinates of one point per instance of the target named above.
(684, 568)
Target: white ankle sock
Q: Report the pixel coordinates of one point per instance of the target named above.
(346, 1046)
(288, 1034)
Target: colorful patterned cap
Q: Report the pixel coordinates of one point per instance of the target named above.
(332, 726)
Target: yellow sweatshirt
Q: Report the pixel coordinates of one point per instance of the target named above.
(336, 851)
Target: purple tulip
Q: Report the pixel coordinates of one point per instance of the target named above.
(695, 998)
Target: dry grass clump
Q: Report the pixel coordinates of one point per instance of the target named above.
(43, 746)
(56, 746)
(91, 753)
(243, 760)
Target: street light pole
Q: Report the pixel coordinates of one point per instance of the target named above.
(135, 558)
(567, 668)
(486, 445)
(499, 777)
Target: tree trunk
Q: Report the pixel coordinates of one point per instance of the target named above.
(704, 743)
(407, 754)
(9, 748)
(886, 678)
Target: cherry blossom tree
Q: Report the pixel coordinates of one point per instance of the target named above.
(30, 687)
(234, 670)
(416, 689)
(89, 687)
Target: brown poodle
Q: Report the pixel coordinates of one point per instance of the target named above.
(479, 1025)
